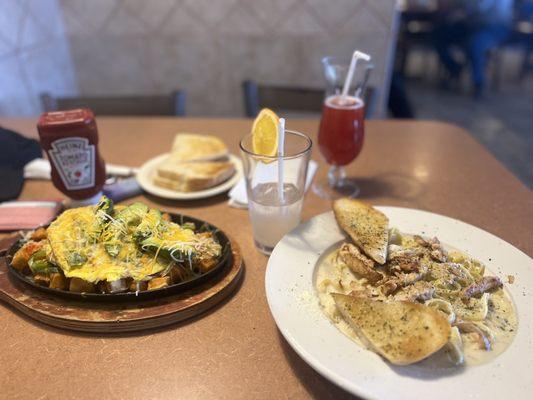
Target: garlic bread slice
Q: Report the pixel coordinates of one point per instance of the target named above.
(402, 332)
(368, 227)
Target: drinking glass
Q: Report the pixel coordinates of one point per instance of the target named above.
(342, 128)
(273, 212)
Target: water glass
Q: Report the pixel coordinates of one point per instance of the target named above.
(275, 209)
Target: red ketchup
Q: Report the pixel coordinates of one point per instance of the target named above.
(70, 139)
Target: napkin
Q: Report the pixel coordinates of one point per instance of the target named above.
(40, 169)
(15, 215)
(238, 197)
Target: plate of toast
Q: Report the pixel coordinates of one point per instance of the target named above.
(198, 166)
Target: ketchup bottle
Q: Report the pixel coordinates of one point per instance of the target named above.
(70, 139)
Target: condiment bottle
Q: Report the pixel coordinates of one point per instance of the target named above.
(70, 139)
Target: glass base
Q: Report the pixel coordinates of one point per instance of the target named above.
(263, 248)
(343, 188)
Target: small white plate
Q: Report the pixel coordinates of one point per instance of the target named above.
(148, 170)
(294, 305)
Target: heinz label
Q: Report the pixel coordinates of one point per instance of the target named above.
(73, 158)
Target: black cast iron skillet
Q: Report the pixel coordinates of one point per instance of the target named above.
(201, 226)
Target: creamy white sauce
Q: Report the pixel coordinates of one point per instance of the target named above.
(328, 275)
(334, 277)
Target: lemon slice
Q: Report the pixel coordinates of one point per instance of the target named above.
(265, 133)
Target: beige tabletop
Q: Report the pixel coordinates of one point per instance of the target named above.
(235, 350)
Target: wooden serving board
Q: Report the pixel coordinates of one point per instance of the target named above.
(119, 317)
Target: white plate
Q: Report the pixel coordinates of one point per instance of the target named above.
(147, 172)
(294, 304)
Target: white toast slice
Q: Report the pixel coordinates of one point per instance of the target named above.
(192, 176)
(368, 227)
(195, 147)
(400, 331)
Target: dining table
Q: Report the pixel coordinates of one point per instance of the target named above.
(234, 350)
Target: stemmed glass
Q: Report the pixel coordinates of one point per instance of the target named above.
(342, 130)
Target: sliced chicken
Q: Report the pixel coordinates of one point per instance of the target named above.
(484, 285)
(418, 291)
(404, 261)
(400, 280)
(389, 287)
(359, 263)
(439, 255)
(434, 246)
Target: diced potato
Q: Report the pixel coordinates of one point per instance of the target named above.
(79, 285)
(20, 260)
(206, 264)
(58, 281)
(176, 275)
(41, 279)
(116, 286)
(157, 283)
(101, 287)
(39, 234)
(166, 217)
(138, 286)
(21, 257)
(207, 235)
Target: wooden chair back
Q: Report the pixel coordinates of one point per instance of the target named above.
(285, 98)
(173, 104)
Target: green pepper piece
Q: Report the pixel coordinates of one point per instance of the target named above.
(189, 225)
(76, 259)
(151, 222)
(154, 245)
(103, 213)
(106, 205)
(40, 265)
(133, 215)
(113, 249)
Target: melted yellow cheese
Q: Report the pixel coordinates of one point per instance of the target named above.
(76, 231)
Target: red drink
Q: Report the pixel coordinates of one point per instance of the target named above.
(342, 129)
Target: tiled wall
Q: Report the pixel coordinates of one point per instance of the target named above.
(34, 55)
(206, 47)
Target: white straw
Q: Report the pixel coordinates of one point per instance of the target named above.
(353, 64)
(281, 150)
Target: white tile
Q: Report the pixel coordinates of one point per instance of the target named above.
(383, 9)
(299, 22)
(332, 14)
(209, 11)
(16, 99)
(206, 47)
(182, 21)
(86, 16)
(32, 33)
(49, 14)
(151, 13)
(49, 68)
(183, 62)
(11, 15)
(111, 64)
(272, 11)
(124, 22)
(365, 21)
(241, 21)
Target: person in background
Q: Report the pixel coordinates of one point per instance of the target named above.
(476, 26)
